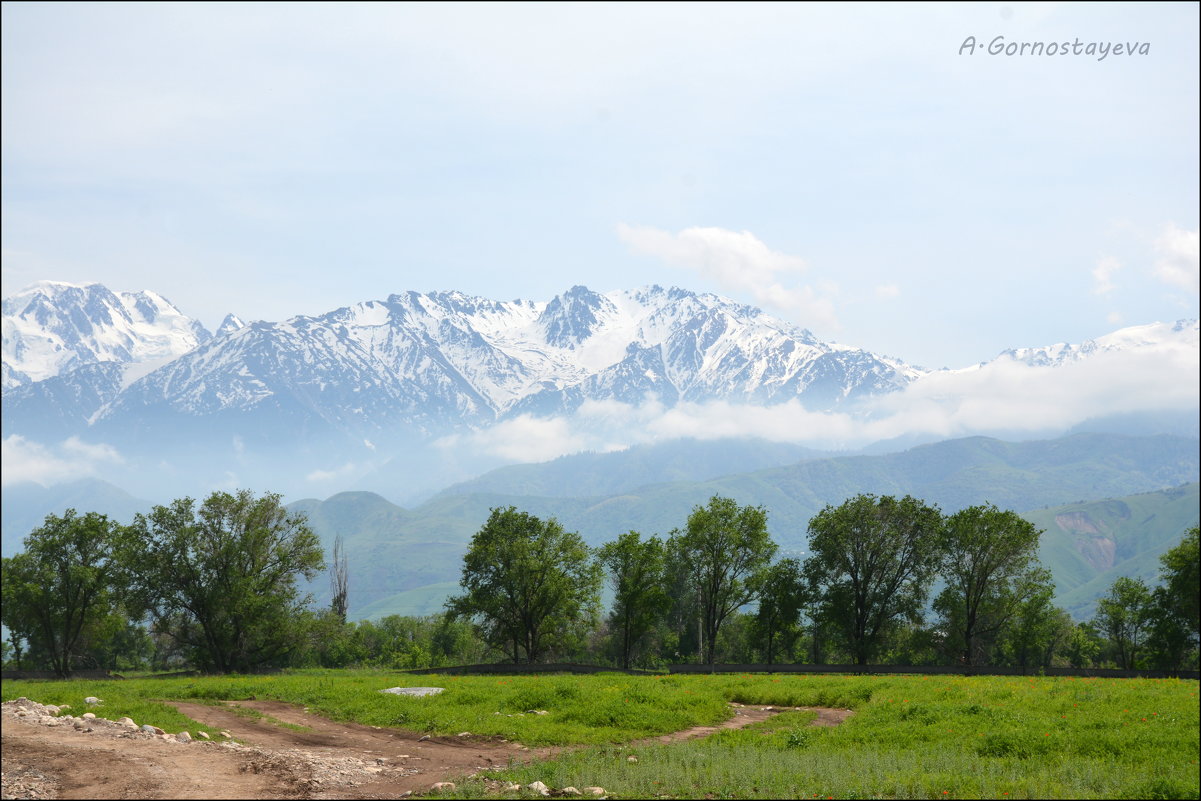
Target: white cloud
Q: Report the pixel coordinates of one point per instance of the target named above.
(1179, 257)
(739, 262)
(887, 290)
(525, 439)
(1004, 396)
(1103, 275)
(72, 459)
(321, 476)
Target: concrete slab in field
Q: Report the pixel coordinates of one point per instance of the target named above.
(414, 691)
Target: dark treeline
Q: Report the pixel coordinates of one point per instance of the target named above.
(886, 581)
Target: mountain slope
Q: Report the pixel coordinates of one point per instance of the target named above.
(27, 504)
(591, 474)
(53, 327)
(425, 389)
(427, 542)
(1088, 545)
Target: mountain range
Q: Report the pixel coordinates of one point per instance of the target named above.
(401, 394)
(435, 361)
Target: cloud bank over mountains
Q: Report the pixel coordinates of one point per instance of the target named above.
(1007, 395)
(427, 387)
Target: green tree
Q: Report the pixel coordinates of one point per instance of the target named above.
(530, 584)
(872, 560)
(1124, 614)
(723, 550)
(1180, 572)
(781, 596)
(1083, 645)
(636, 574)
(61, 584)
(1037, 627)
(985, 551)
(221, 578)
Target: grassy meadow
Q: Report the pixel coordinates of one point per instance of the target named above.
(911, 736)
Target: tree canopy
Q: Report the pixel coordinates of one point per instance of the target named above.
(636, 573)
(984, 553)
(529, 583)
(722, 551)
(221, 578)
(1124, 614)
(61, 584)
(873, 559)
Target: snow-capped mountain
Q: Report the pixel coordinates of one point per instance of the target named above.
(430, 363)
(52, 327)
(1181, 334)
(438, 361)
(232, 322)
(389, 379)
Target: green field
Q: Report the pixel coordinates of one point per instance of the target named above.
(910, 736)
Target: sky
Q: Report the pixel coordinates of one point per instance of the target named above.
(863, 171)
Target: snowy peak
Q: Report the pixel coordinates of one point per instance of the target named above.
(52, 327)
(574, 316)
(1182, 333)
(425, 364)
(231, 323)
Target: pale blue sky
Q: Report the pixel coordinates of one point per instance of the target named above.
(847, 164)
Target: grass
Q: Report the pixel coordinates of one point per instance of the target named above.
(911, 736)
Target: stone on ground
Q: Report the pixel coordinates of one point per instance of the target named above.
(417, 692)
(538, 787)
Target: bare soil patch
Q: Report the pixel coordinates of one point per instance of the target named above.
(327, 760)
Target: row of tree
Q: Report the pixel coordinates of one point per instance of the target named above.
(862, 595)
(214, 586)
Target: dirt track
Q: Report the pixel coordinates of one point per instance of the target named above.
(330, 760)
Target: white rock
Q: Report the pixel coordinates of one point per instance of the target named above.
(127, 723)
(88, 716)
(226, 734)
(202, 735)
(92, 700)
(155, 730)
(512, 788)
(631, 759)
(569, 791)
(184, 737)
(52, 709)
(594, 790)
(464, 734)
(538, 787)
(417, 692)
(443, 786)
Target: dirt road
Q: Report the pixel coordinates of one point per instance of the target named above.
(61, 759)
